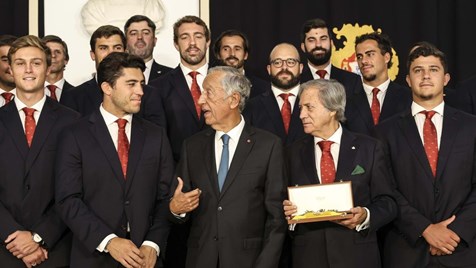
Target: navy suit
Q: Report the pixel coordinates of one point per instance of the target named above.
(423, 199)
(351, 81)
(158, 70)
(329, 244)
(95, 200)
(27, 182)
(263, 112)
(84, 98)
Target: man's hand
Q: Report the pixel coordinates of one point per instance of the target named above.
(38, 256)
(150, 256)
(359, 216)
(21, 244)
(289, 209)
(125, 252)
(437, 252)
(184, 202)
(441, 238)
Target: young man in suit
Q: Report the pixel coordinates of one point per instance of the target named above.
(7, 84)
(30, 228)
(233, 178)
(380, 98)
(113, 175)
(55, 82)
(331, 154)
(141, 40)
(432, 151)
(277, 110)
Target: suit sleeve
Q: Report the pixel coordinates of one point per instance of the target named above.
(8, 224)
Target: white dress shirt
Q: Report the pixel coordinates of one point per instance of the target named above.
(316, 76)
(59, 88)
(2, 100)
(380, 95)
(148, 68)
(291, 99)
(437, 119)
(234, 134)
(37, 106)
(202, 72)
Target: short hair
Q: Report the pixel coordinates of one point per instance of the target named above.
(314, 24)
(234, 81)
(7, 40)
(111, 68)
(106, 31)
(383, 41)
(330, 93)
(139, 18)
(230, 33)
(29, 41)
(425, 50)
(57, 39)
(190, 19)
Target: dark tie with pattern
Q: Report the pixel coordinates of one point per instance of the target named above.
(375, 109)
(286, 110)
(30, 124)
(328, 170)
(7, 96)
(223, 168)
(321, 73)
(52, 89)
(122, 145)
(430, 141)
(196, 93)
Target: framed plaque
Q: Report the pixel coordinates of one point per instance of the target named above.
(321, 202)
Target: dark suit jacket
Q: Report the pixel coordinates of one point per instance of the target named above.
(243, 225)
(263, 112)
(93, 198)
(67, 85)
(350, 81)
(170, 105)
(464, 97)
(424, 200)
(258, 85)
(27, 181)
(357, 110)
(158, 70)
(84, 98)
(330, 244)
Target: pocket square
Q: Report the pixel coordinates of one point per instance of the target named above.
(358, 170)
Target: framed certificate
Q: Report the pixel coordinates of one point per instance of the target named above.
(321, 202)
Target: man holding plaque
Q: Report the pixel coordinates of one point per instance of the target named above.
(331, 154)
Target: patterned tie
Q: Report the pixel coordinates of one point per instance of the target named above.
(328, 170)
(223, 168)
(286, 110)
(195, 92)
(430, 140)
(7, 96)
(52, 89)
(321, 73)
(375, 109)
(122, 145)
(30, 124)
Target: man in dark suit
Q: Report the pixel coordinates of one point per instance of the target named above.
(141, 40)
(316, 43)
(114, 197)
(380, 98)
(233, 178)
(277, 110)
(7, 84)
(231, 48)
(55, 82)
(432, 151)
(30, 228)
(87, 97)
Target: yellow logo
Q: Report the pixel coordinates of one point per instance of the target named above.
(344, 58)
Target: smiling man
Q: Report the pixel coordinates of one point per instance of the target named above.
(7, 84)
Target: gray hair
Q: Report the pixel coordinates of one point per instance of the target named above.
(234, 81)
(331, 94)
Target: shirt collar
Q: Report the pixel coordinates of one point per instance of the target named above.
(110, 118)
(416, 108)
(202, 70)
(59, 84)
(382, 87)
(314, 70)
(148, 64)
(277, 91)
(234, 133)
(335, 138)
(37, 106)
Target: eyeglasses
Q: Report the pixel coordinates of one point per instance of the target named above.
(289, 62)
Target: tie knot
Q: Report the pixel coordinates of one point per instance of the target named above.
(321, 73)
(325, 145)
(225, 138)
(121, 123)
(29, 111)
(7, 96)
(51, 87)
(193, 74)
(428, 114)
(375, 91)
(285, 96)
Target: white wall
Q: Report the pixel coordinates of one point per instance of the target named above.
(63, 18)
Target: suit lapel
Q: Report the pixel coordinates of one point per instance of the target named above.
(295, 123)
(209, 161)
(272, 108)
(347, 153)
(94, 93)
(12, 122)
(308, 157)
(137, 141)
(362, 105)
(451, 126)
(180, 84)
(390, 103)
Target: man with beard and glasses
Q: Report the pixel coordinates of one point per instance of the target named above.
(173, 104)
(7, 83)
(141, 40)
(232, 49)
(316, 43)
(277, 110)
(380, 98)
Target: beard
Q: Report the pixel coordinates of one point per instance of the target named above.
(142, 53)
(318, 59)
(370, 77)
(285, 84)
(238, 63)
(192, 60)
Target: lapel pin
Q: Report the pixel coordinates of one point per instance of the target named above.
(248, 141)
(353, 147)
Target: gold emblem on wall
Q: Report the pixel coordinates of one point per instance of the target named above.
(344, 57)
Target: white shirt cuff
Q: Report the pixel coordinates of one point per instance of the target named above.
(366, 224)
(102, 246)
(179, 216)
(152, 245)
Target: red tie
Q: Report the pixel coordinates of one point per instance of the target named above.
(122, 145)
(52, 89)
(30, 124)
(7, 96)
(328, 170)
(286, 110)
(321, 73)
(430, 140)
(375, 109)
(195, 92)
